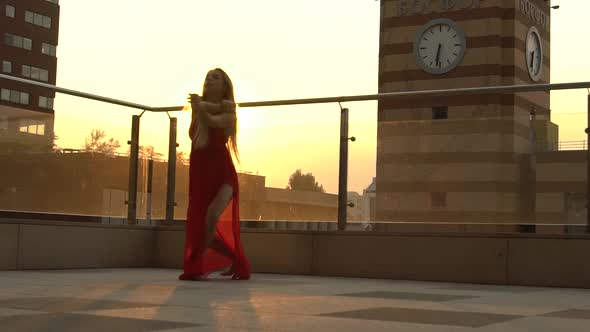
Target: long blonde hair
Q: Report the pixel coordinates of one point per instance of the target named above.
(202, 130)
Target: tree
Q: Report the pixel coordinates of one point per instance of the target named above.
(304, 182)
(96, 142)
(149, 152)
(182, 158)
(146, 152)
(54, 146)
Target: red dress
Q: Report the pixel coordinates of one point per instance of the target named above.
(210, 168)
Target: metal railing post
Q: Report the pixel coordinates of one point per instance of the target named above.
(588, 164)
(170, 191)
(148, 208)
(532, 192)
(133, 163)
(343, 170)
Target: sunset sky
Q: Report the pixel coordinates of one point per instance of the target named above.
(155, 53)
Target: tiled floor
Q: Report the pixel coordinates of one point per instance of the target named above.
(154, 300)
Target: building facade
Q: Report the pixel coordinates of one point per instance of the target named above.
(464, 158)
(29, 30)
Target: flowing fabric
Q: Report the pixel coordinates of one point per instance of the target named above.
(210, 168)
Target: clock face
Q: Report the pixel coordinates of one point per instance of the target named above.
(440, 46)
(534, 54)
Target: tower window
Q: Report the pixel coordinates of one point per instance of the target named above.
(438, 200)
(440, 112)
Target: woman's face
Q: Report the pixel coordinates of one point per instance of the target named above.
(214, 83)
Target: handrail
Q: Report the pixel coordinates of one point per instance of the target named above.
(343, 170)
(407, 94)
(548, 146)
(322, 100)
(77, 93)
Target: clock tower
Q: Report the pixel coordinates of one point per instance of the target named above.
(463, 158)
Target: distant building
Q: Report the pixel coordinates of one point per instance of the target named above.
(355, 212)
(286, 204)
(369, 201)
(29, 31)
(97, 184)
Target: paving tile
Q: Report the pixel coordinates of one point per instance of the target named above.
(491, 288)
(66, 322)
(538, 324)
(422, 316)
(408, 296)
(573, 314)
(66, 304)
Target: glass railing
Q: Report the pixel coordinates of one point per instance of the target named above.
(73, 162)
(472, 169)
(286, 166)
(437, 169)
(462, 161)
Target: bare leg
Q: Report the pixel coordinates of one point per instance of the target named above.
(219, 203)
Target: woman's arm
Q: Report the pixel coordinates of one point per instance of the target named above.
(221, 120)
(194, 100)
(192, 129)
(217, 108)
(225, 116)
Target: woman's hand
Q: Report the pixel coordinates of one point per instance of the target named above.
(228, 106)
(194, 99)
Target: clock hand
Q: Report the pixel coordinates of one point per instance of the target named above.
(532, 58)
(438, 55)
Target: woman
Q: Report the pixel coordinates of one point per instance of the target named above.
(213, 225)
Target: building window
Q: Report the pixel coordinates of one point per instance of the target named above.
(47, 22)
(10, 11)
(26, 71)
(38, 19)
(32, 127)
(6, 66)
(44, 75)
(3, 123)
(27, 44)
(48, 49)
(438, 200)
(16, 97)
(440, 113)
(35, 73)
(46, 102)
(24, 98)
(18, 41)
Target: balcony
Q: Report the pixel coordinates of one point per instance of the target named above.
(93, 238)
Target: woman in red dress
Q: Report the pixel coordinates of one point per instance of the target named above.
(213, 220)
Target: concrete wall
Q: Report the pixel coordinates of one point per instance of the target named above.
(516, 259)
(530, 260)
(561, 187)
(59, 245)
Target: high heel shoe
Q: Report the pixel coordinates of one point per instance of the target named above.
(229, 272)
(192, 277)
